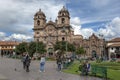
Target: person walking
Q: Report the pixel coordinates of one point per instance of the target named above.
(1, 54)
(42, 64)
(23, 60)
(84, 69)
(27, 62)
(88, 66)
(59, 63)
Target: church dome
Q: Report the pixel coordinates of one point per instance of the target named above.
(50, 22)
(40, 13)
(63, 11)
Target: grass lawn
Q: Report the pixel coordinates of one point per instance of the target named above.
(113, 74)
(73, 69)
(113, 69)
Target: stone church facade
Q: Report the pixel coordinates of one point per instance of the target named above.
(50, 32)
(94, 46)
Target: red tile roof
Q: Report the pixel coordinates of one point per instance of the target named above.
(115, 40)
(8, 43)
(115, 45)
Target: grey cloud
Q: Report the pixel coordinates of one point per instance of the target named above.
(16, 16)
(111, 29)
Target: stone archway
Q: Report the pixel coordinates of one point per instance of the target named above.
(118, 55)
(50, 49)
(117, 51)
(94, 54)
(112, 55)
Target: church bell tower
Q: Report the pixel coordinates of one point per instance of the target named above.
(39, 19)
(63, 17)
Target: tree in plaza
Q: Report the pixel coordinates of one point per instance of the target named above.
(21, 48)
(71, 47)
(40, 47)
(61, 45)
(60, 48)
(36, 47)
(80, 51)
(31, 48)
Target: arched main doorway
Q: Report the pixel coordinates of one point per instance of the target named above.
(50, 51)
(112, 55)
(117, 51)
(118, 55)
(94, 54)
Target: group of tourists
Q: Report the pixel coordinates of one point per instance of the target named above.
(85, 68)
(60, 61)
(63, 62)
(27, 60)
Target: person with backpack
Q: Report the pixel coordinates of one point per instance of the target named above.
(27, 62)
(59, 63)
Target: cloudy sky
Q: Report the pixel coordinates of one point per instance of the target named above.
(87, 17)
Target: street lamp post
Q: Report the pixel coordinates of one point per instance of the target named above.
(27, 47)
(35, 55)
(66, 38)
(66, 41)
(14, 53)
(102, 46)
(36, 47)
(0, 51)
(64, 31)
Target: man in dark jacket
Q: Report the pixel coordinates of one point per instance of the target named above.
(27, 63)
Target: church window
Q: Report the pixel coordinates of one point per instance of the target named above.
(93, 41)
(38, 22)
(37, 40)
(37, 32)
(63, 38)
(117, 48)
(45, 38)
(63, 20)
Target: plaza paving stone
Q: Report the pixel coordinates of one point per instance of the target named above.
(8, 66)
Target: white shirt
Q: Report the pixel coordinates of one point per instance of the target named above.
(42, 59)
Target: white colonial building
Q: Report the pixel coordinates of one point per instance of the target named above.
(113, 48)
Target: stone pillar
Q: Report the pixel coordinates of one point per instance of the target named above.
(109, 53)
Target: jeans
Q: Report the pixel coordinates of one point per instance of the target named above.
(27, 68)
(59, 67)
(23, 65)
(42, 64)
